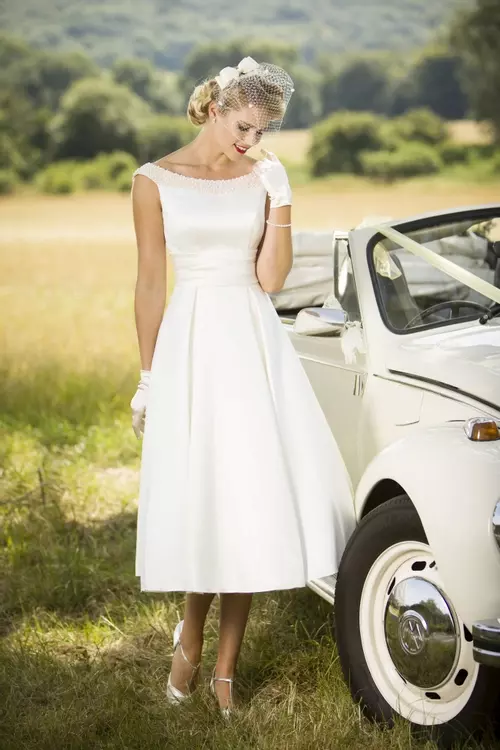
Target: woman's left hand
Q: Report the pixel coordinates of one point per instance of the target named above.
(275, 179)
(139, 402)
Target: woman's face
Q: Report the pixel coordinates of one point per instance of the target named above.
(239, 130)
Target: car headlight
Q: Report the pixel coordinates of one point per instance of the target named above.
(482, 428)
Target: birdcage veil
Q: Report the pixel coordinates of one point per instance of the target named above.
(263, 90)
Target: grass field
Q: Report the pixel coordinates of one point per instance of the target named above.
(84, 656)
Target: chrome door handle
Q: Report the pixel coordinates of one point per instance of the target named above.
(359, 385)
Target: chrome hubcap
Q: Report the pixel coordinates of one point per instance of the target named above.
(421, 633)
(417, 650)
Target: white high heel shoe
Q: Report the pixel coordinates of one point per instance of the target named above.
(174, 695)
(226, 711)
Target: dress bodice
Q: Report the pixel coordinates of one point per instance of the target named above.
(212, 227)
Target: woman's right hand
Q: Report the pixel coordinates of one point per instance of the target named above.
(139, 403)
(274, 177)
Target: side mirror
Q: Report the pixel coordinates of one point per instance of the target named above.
(317, 321)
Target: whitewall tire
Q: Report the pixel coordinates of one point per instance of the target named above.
(403, 648)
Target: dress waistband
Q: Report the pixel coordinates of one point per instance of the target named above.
(220, 272)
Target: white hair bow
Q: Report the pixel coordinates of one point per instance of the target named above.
(226, 75)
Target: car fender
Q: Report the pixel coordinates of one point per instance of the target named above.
(454, 484)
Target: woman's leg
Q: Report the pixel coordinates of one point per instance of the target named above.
(234, 610)
(195, 613)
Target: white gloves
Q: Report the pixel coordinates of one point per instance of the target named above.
(139, 403)
(275, 180)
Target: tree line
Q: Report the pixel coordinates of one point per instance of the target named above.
(62, 106)
(166, 32)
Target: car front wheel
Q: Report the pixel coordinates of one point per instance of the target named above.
(403, 648)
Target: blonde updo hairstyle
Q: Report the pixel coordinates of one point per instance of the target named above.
(238, 94)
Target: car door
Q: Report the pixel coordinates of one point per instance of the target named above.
(337, 374)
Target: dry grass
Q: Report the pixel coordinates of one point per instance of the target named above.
(84, 656)
(468, 131)
(68, 265)
(290, 145)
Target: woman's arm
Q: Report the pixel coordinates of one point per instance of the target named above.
(275, 256)
(151, 284)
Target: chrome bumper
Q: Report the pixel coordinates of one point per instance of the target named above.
(486, 642)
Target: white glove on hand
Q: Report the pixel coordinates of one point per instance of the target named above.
(275, 179)
(139, 403)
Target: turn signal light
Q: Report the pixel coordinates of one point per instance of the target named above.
(482, 429)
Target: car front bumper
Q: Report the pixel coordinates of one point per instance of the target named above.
(486, 642)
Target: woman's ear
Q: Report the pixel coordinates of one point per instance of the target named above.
(212, 111)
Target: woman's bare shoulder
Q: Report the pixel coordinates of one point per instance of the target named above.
(145, 185)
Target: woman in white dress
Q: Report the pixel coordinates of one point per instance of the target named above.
(242, 485)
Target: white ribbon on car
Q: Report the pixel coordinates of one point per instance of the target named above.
(226, 75)
(443, 264)
(352, 341)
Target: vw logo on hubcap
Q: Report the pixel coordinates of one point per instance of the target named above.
(420, 632)
(413, 632)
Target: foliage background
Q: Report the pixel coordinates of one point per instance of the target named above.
(164, 32)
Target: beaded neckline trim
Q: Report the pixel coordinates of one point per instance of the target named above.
(204, 179)
(161, 175)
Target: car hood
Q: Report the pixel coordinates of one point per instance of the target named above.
(466, 360)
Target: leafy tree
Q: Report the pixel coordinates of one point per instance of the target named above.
(8, 181)
(165, 32)
(97, 115)
(24, 133)
(12, 50)
(43, 77)
(476, 38)
(418, 125)
(455, 153)
(207, 59)
(362, 86)
(338, 141)
(305, 105)
(409, 160)
(327, 86)
(135, 73)
(364, 83)
(162, 134)
(159, 88)
(438, 85)
(432, 81)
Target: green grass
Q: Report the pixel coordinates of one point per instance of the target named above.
(84, 655)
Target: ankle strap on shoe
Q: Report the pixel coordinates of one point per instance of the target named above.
(193, 666)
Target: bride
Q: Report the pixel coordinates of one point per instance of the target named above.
(242, 485)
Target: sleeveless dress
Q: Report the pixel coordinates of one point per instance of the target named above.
(242, 485)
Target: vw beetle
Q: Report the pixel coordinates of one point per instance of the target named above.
(402, 349)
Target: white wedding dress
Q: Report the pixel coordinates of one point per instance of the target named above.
(242, 485)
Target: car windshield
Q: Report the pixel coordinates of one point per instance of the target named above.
(414, 294)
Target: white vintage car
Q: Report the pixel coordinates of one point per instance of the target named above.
(403, 353)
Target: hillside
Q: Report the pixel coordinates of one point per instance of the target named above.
(164, 31)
